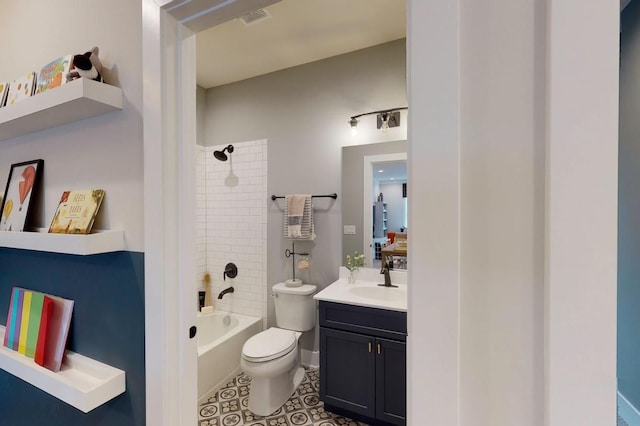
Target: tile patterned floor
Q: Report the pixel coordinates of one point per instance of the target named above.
(228, 407)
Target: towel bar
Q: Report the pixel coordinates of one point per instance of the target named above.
(334, 196)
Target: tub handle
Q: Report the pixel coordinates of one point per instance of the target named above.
(274, 295)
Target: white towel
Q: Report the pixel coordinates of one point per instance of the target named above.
(298, 217)
(295, 210)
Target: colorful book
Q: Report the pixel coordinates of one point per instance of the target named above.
(21, 88)
(26, 314)
(47, 305)
(77, 211)
(24, 324)
(4, 91)
(33, 327)
(9, 334)
(54, 74)
(57, 332)
(38, 326)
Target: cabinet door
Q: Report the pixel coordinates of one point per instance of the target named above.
(347, 371)
(391, 373)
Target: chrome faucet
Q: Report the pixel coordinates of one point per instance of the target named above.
(225, 291)
(387, 276)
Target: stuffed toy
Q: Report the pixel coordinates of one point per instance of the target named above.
(86, 65)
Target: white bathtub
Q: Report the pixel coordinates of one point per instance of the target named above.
(220, 347)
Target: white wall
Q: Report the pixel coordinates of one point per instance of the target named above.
(502, 213)
(526, 333)
(395, 205)
(582, 212)
(232, 224)
(101, 152)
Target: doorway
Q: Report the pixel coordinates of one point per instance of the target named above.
(434, 33)
(380, 216)
(329, 149)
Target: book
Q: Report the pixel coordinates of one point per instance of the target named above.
(21, 88)
(27, 313)
(57, 332)
(54, 74)
(4, 91)
(77, 211)
(47, 306)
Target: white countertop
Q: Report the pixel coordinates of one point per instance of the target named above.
(366, 292)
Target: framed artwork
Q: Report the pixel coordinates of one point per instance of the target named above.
(21, 185)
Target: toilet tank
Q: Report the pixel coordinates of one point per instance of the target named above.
(295, 307)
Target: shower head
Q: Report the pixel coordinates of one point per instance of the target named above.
(220, 155)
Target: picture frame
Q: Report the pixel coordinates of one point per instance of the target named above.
(22, 187)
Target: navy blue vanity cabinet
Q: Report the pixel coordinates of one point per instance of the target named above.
(363, 362)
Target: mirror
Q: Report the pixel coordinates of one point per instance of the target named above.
(367, 222)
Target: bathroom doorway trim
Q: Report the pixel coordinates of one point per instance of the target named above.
(434, 31)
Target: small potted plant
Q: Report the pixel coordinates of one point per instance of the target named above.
(353, 264)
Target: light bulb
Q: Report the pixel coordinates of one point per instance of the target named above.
(354, 126)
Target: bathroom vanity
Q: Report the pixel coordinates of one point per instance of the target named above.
(363, 330)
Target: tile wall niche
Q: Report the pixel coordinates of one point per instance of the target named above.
(232, 225)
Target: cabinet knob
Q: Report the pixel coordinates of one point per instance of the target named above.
(378, 348)
(369, 346)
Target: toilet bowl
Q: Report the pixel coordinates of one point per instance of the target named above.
(272, 357)
(272, 360)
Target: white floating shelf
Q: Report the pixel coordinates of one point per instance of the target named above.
(82, 382)
(99, 242)
(76, 100)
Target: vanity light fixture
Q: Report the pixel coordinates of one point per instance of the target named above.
(354, 125)
(385, 119)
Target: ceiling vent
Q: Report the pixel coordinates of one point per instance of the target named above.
(254, 17)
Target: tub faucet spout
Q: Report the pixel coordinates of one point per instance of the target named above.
(225, 291)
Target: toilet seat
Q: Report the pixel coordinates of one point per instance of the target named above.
(268, 345)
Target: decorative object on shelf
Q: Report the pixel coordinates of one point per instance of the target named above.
(38, 326)
(21, 187)
(303, 263)
(21, 88)
(77, 211)
(87, 65)
(54, 74)
(353, 265)
(4, 91)
(293, 281)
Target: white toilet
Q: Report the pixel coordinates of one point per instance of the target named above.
(272, 357)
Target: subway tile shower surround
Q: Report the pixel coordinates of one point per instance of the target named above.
(232, 225)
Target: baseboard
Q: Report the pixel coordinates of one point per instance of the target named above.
(310, 358)
(627, 411)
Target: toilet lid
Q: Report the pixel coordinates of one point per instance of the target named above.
(269, 344)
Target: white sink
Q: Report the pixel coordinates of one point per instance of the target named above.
(366, 292)
(395, 294)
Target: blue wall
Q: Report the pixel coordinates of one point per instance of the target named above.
(107, 325)
(629, 207)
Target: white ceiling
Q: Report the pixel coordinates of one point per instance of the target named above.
(392, 171)
(298, 32)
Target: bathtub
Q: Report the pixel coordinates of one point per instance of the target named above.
(220, 347)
